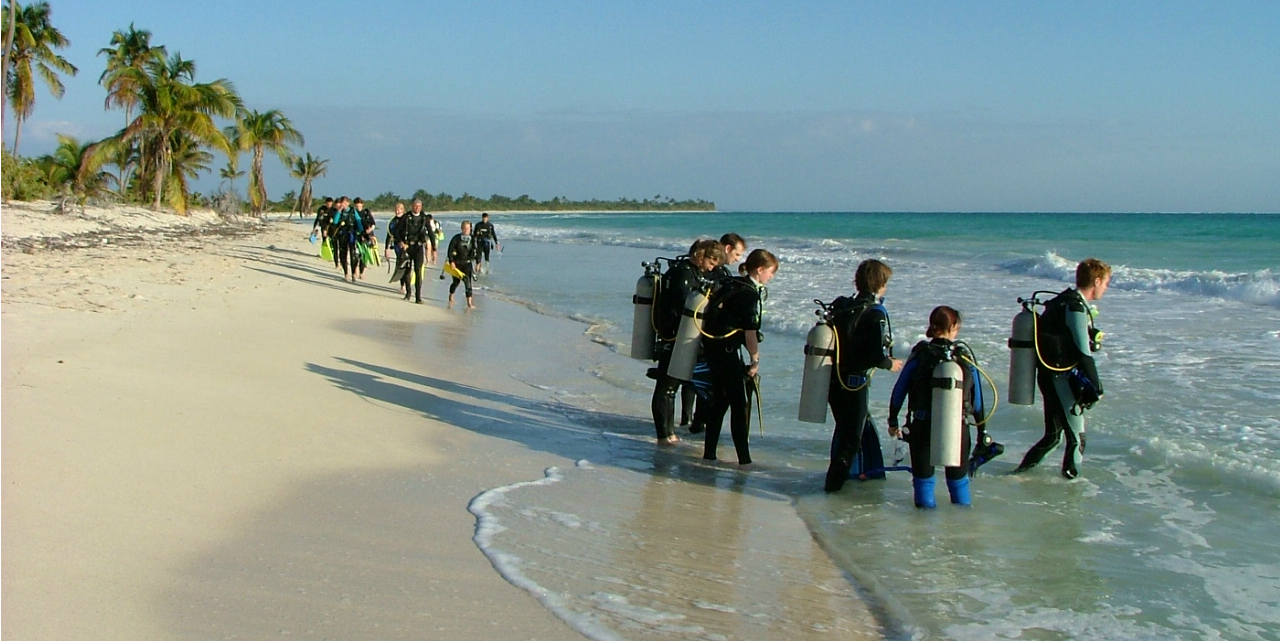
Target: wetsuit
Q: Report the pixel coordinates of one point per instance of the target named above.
(433, 235)
(681, 279)
(412, 231)
(733, 310)
(346, 229)
(392, 224)
(367, 226)
(486, 238)
(1067, 377)
(324, 223)
(462, 253)
(915, 386)
(864, 339)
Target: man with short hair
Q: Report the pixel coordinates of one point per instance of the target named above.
(1065, 370)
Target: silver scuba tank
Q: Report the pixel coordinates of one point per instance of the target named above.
(642, 332)
(684, 353)
(816, 381)
(1022, 358)
(946, 418)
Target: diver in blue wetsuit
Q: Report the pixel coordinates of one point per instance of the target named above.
(1065, 370)
(915, 386)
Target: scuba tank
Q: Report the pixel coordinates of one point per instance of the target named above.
(1022, 355)
(688, 341)
(818, 352)
(642, 332)
(946, 418)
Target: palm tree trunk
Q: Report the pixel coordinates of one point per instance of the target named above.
(162, 168)
(17, 133)
(260, 188)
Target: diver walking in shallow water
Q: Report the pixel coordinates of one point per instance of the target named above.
(864, 342)
(732, 321)
(462, 255)
(916, 384)
(1065, 370)
(682, 278)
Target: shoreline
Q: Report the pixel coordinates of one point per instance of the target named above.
(222, 438)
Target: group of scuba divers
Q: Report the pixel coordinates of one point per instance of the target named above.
(348, 231)
(696, 317)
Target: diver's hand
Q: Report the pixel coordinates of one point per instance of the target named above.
(895, 431)
(896, 365)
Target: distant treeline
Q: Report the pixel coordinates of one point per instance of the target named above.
(467, 202)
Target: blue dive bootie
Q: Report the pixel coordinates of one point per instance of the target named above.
(959, 490)
(924, 492)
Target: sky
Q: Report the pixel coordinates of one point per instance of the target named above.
(1142, 105)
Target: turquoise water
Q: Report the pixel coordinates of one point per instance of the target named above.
(1168, 534)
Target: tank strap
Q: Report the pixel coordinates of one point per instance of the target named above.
(810, 350)
(1014, 344)
(943, 383)
(639, 300)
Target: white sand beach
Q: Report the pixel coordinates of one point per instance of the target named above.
(208, 434)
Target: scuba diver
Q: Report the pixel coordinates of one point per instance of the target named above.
(864, 342)
(683, 277)
(346, 229)
(1065, 370)
(916, 385)
(462, 255)
(731, 322)
(391, 248)
(324, 225)
(366, 228)
(486, 239)
(411, 238)
(693, 407)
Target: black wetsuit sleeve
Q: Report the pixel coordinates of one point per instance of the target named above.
(871, 337)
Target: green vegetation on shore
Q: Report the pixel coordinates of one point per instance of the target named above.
(467, 202)
(172, 127)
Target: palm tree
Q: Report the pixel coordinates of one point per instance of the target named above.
(73, 167)
(9, 20)
(230, 173)
(32, 53)
(187, 159)
(130, 49)
(307, 169)
(174, 114)
(259, 132)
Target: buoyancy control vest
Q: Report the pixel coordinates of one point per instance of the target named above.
(859, 348)
(728, 313)
(676, 283)
(927, 355)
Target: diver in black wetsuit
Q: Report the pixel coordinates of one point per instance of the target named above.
(462, 254)
(731, 322)
(411, 237)
(683, 277)
(324, 225)
(1065, 370)
(346, 230)
(486, 239)
(915, 386)
(864, 341)
(690, 402)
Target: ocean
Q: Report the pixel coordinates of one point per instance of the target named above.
(1167, 534)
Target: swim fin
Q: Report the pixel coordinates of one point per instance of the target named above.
(983, 452)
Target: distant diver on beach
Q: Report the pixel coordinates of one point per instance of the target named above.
(393, 253)
(685, 275)
(486, 239)
(324, 225)
(433, 239)
(1065, 370)
(365, 232)
(732, 321)
(864, 343)
(346, 229)
(411, 237)
(940, 431)
(462, 255)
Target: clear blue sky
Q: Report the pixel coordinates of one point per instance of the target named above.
(887, 106)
